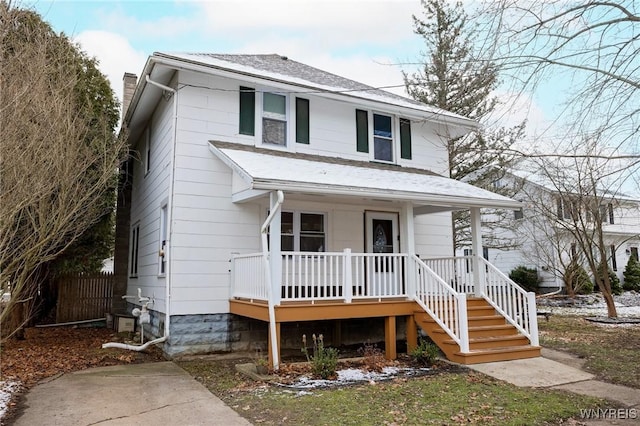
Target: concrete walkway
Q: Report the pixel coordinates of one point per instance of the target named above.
(141, 394)
(558, 370)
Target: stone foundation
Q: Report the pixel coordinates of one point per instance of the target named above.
(215, 333)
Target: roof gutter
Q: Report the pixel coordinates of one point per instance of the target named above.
(431, 199)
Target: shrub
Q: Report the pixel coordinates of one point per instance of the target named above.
(373, 358)
(616, 287)
(632, 275)
(425, 353)
(527, 278)
(577, 280)
(324, 361)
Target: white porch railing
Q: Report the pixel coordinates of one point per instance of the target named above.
(446, 306)
(512, 301)
(455, 271)
(342, 275)
(440, 285)
(248, 277)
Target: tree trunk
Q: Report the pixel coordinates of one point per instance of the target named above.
(611, 307)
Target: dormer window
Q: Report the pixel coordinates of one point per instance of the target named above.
(274, 119)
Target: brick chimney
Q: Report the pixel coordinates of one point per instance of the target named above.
(129, 82)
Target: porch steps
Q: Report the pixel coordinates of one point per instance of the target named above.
(491, 338)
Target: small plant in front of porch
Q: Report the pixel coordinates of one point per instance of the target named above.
(324, 361)
(261, 362)
(426, 353)
(373, 357)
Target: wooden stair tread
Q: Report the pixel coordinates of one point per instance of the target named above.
(501, 349)
(490, 339)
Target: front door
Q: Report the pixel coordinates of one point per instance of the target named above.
(383, 272)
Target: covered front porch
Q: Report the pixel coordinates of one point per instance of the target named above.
(376, 249)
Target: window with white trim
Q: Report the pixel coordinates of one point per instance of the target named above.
(391, 136)
(303, 231)
(383, 137)
(133, 255)
(274, 119)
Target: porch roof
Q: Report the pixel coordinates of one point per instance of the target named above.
(262, 170)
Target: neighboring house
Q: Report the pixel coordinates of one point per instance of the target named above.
(266, 195)
(545, 246)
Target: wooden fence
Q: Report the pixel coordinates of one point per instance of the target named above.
(85, 296)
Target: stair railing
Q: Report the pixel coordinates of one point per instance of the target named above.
(511, 301)
(447, 307)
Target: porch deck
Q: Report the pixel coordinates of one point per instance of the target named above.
(429, 293)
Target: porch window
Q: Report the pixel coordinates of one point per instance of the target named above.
(614, 262)
(303, 231)
(274, 119)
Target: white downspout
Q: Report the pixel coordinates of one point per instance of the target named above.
(275, 209)
(172, 155)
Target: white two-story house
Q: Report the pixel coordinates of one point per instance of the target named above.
(267, 198)
(541, 229)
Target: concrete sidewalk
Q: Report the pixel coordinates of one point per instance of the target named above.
(139, 394)
(558, 370)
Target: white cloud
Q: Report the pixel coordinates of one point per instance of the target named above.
(115, 55)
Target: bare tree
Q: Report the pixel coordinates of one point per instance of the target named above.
(58, 153)
(587, 50)
(572, 208)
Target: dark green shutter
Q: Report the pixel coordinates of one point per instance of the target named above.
(247, 111)
(302, 120)
(362, 130)
(405, 138)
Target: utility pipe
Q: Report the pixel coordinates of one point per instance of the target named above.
(60, 324)
(275, 209)
(136, 348)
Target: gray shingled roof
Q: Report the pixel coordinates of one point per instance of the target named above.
(280, 68)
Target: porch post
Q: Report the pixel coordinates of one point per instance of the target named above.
(275, 252)
(409, 247)
(476, 245)
(348, 276)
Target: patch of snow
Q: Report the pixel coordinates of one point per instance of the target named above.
(627, 305)
(7, 389)
(350, 376)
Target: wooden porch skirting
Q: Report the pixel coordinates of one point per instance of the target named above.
(332, 310)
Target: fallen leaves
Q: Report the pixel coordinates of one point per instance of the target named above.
(47, 352)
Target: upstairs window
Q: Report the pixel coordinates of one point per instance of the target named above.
(383, 130)
(382, 138)
(274, 119)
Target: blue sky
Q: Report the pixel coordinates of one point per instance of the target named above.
(358, 39)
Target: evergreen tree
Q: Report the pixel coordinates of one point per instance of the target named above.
(632, 275)
(456, 79)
